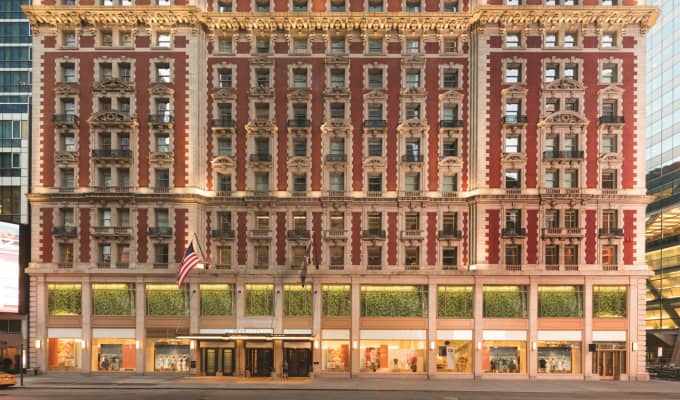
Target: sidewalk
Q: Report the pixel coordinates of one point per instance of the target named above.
(140, 382)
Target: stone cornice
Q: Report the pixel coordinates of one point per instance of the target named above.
(483, 16)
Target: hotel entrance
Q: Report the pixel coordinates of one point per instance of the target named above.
(259, 359)
(218, 359)
(298, 355)
(609, 361)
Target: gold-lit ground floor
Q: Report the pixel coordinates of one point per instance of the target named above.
(571, 327)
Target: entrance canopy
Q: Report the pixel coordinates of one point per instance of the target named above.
(249, 334)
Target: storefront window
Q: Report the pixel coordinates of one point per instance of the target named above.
(335, 356)
(169, 355)
(505, 302)
(393, 301)
(392, 356)
(454, 356)
(560, 301)
(64, 299)
(113, 299)
(165, 300)
(504, 357)
(297, 300)
(609, 301)
(259, 300)
(559, 357)
(454, 301)
(114, 355)
(64, 354)
(336, 300)
(217, 299)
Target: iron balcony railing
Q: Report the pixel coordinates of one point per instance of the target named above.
(160, 231)
(513, 232)
(611, 119)
(562, 154)
(514, 119)
(375, 123)
(111, 153)
(450, 123)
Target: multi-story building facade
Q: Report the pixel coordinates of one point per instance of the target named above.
(662, 166)
(464, 173)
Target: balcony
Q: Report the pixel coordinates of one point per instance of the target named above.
(410, 234)
(514, 119)
(160, 231)
(223, 126)
(340, 158)
(260, 233)
(335, 234)
(513, 232)
(299, 123)
(450, 123)
(112, 189)
(373, 234)
(160, 265)
(161, 120)
(513, 267)
(223, 193)
(375, 123)
(449, 234)
(298, 234)
(111, 154)
(610, 232)
(112, 231)
(224, 234)
(412, 158)
(611, 119)
(563, 155)
(65, 231)
(65, 120)
(261, 157)
(410, 193)
(161, 189)
(557, 232)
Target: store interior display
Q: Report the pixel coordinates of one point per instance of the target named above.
(171, 358)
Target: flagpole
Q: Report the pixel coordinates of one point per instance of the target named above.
(198, 242)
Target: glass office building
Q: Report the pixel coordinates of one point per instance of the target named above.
(663, 182)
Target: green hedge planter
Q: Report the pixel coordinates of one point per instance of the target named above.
(454, 302)
(259, 302)
(609, 301)
(297, 302)
(560, 302)
(510, 302)
(113, 302)
(166, 303)
(217, 302)
(403, 302)
(337, 301)
(64, 299)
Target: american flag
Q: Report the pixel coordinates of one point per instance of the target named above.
(188, 263)
(307, 260)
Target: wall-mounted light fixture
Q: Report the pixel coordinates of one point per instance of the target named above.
(432, 345)
(635, 346)
(138, 344)
(479, 345)
(37, 343)
(83, 344)
(355, 344)
(192, 344)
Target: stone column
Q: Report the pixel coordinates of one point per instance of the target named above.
(41, 321)
(194, 312)
(354, 334)
(532, 334)
(140, 330)
(278, 327)
(317, 310)
(478, 310)
(86, 326)
(588, 329)
(431, 328)
(240, 303)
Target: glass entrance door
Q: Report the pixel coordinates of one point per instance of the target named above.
(610, 364)
(211, 362)
(299, 361)
(228, 361)
(260, 362)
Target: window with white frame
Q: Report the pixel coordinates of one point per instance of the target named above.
(608, 40)
(68, 72)
(225, 78)
(450, 147)
(337, 110)
(300, 45)
(163, 72)
(375, 5)
(450, 5)
(337, 77)
(374, 111)
(413, 5)
(550, 39)
(512, 179)
(374, 45)
(225, 147)
(338, 45)
(68, 39)
(338, 5)
(262, 5)
(512, 144)
(225, 44)
(300, 78)
(374, 147)
(300, 182)
(609, 179)
(337, 181)
(412, 110)
(225, 6)
(412, 181)
(450, 183)
(552, 72)
(412, 78)
(570, 178)
(163, 39)
(375, 78)
(609, 144)
(450, 78)
(374, 181)
(262, 44)
(609, 74)
(513, 73)
(512, 39)
(412, 46)
(570, 39)
(299, 147)
(571, 71)
(450, 45)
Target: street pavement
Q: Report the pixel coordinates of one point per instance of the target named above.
(164, 387)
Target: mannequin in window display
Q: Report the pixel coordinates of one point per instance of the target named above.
(450, 356)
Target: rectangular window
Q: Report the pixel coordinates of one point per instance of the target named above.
(262, 220)
(512, 40)
(299, 147)
(337, 110)
(550, 39)
(64, 299)
(374, 221)
(162, 178)
(300, 6)
(609, 74)
(337, 45)
(450, 5)
(450, 78)
(411, 256)
(513, 73)
(450, 183)
(570, 178)
(337, 78)
(609, 144)
(505, 301)
(262, 45)
(610, 301)
(299, 183)
(374, 256)
(552, 178)
(412, 78)
(337, 181)
(262, 6)
(225, 78)
(68, 39)
(571, 219)
(560, 302)
(300, 78)
(412, 182)
(552, 254)
(570, 39)
(609, 179)
(163, 39)
(512, 144)
(261, 256)
(607, 40)
(262, 181)
(552, 72)
(512, 179)
(338, 5)
(259, 300)
(375, 111)
(300, 45)
(68, 178)
(224, 182)
(571, 71)
(412, 110)
(375, 147)
(413, 5)
(450, 256)
(374, 183)
(375, 6)
(609, 219)
(450, 45)
(225, 45)
(375, 78)
(450, 148)
(68, 72)
(412, 46)
(571, 255)
(224, 147)
(375, 45)
(513, 255)
(224, 6)
(161, 253)
(337, 256)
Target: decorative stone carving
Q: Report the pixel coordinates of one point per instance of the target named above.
(162, 90)
(336, 92)
(565, 118)
(451, 96)
(337, 127)
(261, 127)
(65, 158)
(223, 164)
(224, 95)
(65, 89)
(300, 95)
(299, 163)
(108, 118)
(113, 85)
(451, 162)
(413, 127)
(564, 84)
(374, 163)
(161, 159)
(375, 96)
